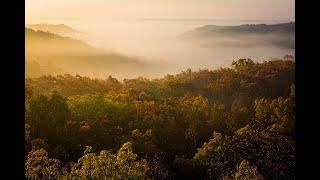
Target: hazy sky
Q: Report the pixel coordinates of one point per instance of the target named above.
(212, 9)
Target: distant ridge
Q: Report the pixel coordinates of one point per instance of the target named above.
(245, 28)
(40, 40)
(75, 56)
(282, 34)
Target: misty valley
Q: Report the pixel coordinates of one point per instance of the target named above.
(60, 49)
(200, 101)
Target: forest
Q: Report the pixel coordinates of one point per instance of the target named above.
(229, 123)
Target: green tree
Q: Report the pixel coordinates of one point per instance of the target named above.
(243, 64)
(123, 165)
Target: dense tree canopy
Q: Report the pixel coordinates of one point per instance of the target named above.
(230, 123)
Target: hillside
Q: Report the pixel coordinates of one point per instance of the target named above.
(40, 42)
(77, 57)
(282, 35)
(60, 29)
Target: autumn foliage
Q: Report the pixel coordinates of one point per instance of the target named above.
(230, 123)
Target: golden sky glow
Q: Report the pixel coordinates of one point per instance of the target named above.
(211, 9)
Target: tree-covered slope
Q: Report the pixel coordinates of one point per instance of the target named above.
(77, 57)
(282, 35)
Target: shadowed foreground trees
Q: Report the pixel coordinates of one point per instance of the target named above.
(245, 171)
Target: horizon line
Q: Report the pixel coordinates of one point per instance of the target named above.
(159, 19)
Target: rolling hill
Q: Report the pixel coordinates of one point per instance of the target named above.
(77, 57)
(247, 35)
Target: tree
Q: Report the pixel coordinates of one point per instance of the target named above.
(123, 165)
(277, 113)
(245, 171)
(219, 119)
(243, 64)
(39, 166)
(195, 112)
(288, 57)
(59, 112)
(46, 115)
(241, 115)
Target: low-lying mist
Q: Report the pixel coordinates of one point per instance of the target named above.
(154, 48)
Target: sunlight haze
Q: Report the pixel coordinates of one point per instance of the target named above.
(194, 9)
(151, 30)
